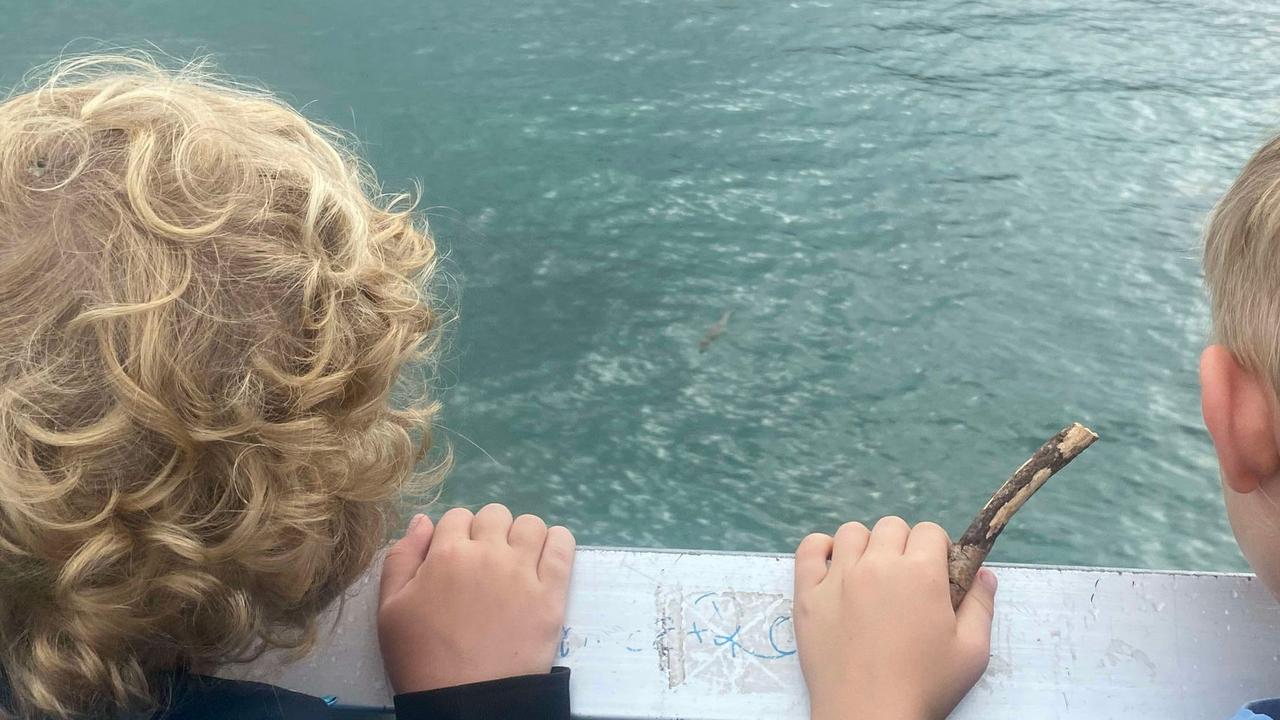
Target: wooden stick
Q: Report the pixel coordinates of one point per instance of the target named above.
(971, 549)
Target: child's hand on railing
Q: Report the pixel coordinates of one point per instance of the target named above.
(874, 627)
(475, 598)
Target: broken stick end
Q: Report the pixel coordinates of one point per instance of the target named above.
(1075, 439)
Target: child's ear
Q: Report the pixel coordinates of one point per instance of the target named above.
(1237, 407)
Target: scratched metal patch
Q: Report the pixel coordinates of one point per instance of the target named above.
(726, 640)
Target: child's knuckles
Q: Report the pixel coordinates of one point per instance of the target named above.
(871, 570)
(559, 553)
(495, 509)
(562, 539)
(813, 542)
(891, 523)
(451, 554)
(531, 522)
(492, 554)
(457, 514)
(924, 568)
(851, 529)
(398, 550)
(932, 531)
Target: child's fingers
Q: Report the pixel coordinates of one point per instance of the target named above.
(928, 540)
(493, 522)
(556, 562)
(528, 535)
(811, 559)
(406, 555)
(973, 617)
(850, 542)
(454, 525)
(889, 536)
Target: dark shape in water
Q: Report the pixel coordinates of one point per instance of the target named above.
(714, 332)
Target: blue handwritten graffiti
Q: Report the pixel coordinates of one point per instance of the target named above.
(714, 606)
(773, 643)
(731, 640)
(734, 644)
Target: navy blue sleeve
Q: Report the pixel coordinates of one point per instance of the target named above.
(195, 697)
(1259, 710)
(527, 697)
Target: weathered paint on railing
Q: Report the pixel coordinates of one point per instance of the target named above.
(662, 634)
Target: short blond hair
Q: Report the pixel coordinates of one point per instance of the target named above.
(204, 309)
(1242, 264)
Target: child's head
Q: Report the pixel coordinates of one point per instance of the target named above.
(203, 313)
(1240, 374)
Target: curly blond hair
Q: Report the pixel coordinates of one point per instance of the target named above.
(1241, 258)
(204, 310)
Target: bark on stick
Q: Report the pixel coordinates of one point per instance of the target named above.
(971, 549)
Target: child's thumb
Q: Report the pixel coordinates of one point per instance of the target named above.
(404, 557)
(974, 615)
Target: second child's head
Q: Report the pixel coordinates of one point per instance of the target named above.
(1240, 372)
(204, 308)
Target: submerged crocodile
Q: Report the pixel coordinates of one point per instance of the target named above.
(714, 332)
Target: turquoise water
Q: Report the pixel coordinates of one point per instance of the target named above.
(945, 229)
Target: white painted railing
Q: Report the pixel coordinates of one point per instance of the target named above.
(697, 635)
